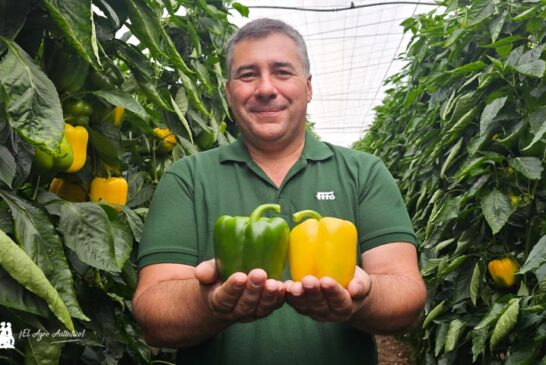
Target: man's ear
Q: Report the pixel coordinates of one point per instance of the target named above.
(309, 89)
(228, 92)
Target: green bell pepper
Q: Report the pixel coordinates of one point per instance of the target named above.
(244, 243)
(108, 78)
(67, 70)
(45, 162)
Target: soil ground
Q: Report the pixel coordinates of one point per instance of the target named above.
(392, 351)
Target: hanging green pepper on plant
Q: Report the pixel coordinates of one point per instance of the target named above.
(108, 78)
(77, 111)
(67, 70)
(503, 271)
(45, 162)
(244, 243)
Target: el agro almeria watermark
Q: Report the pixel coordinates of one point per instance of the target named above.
(8, 336)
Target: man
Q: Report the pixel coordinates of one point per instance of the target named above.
(251, 319)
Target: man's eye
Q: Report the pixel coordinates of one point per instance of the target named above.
(283, 73)
(247, 75)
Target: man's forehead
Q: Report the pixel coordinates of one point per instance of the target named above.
(243, 54)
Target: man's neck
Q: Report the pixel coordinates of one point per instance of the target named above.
(277, 160)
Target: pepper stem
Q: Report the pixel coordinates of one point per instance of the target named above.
(298, 216)
(259, 211)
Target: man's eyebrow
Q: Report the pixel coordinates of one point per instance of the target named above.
(243, 68)
(283, 64)
(252, 67)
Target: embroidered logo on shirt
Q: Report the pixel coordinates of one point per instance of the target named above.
(325, 195)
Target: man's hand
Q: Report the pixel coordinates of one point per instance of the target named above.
(326, 300)
(241, 298)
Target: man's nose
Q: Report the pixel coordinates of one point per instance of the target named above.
(266, 88)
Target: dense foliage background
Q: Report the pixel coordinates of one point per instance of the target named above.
(69, 263)
(463, 130)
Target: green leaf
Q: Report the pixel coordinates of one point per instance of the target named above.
(530, 167)
(123, 242)
(454, 152)
(89, 233)
(479, 338)
(497, 209)
(504, 41)
(531, 64)
(135, 223)
(434, 313)
(491, 316)
(527, 13)
(441, 337)
(182, 118)
(468, 68)
(109, 149)
(538, 125)
(475, 283)
(536, 258)
(506, 322)
(8, 167)
(121, 98)
(489, 113)
(204, 76)
(181, 100)
(43, 351)
(146, 26)
(14, 295)
(463, 122)
(193, 93)
(33, 105)
(243, 10)
(20, 266)
(456, 327)
(479, 11)
(452, 266)
(39, 239)
(496, 25)
(13, 15)
(75, 18)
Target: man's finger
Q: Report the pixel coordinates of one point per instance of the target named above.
(248, 302)
(205, 272)
(337, 297)
(226, 296)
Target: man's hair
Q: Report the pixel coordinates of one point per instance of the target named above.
(261, 28)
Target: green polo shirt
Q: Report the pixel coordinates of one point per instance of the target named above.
(332, 180)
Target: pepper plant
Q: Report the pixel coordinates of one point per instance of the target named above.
(117, 70)
(463, 130)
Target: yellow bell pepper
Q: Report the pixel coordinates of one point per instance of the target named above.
(112, 190)
(67, 190)
(503, 271)
(77, 137)
(167, 139)
(322, 247)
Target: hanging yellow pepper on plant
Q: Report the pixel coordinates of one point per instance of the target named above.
(111, 190)
(77, 137)
(322, 247)
(166, 137)
(503, 271)
(68, 190)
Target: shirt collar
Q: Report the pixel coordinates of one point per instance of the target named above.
(314, 149)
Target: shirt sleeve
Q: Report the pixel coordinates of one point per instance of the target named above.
(170, 234)
(382, 216)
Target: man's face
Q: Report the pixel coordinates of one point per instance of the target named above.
(268, 90)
